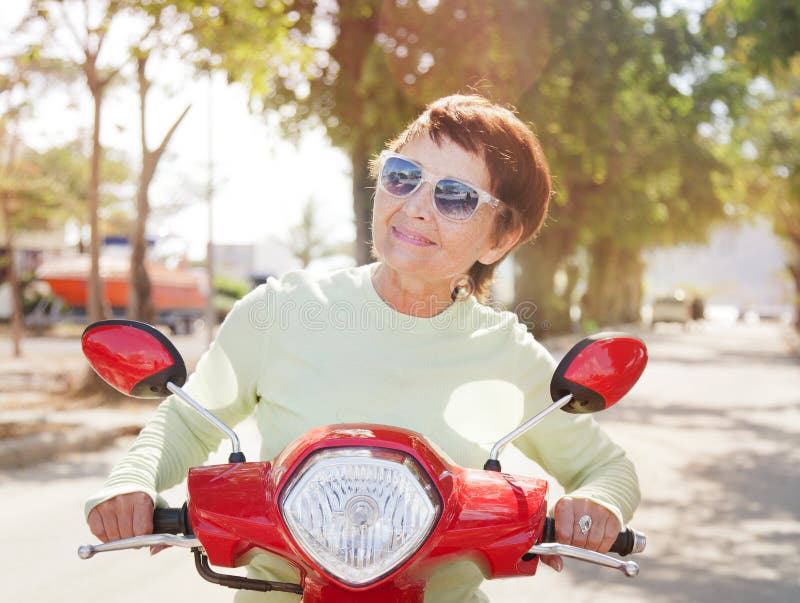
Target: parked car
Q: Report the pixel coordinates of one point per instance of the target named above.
(671, 309)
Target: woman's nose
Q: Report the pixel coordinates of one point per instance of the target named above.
(419, 203)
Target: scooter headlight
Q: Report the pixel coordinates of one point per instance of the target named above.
(360, 512)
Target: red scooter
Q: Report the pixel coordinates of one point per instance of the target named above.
(365, 513)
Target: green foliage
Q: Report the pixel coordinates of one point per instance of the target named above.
(230, 287)
(34, 200)
(33, 197)
(227, 291)
(761, 35)
(621, 139)
(69, 165)
(47, 188)
(261, 44)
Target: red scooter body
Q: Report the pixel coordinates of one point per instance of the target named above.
(489, 517)
(493, 519)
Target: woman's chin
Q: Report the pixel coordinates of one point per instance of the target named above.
(409, 260)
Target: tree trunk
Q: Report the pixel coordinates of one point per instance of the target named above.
(631, 289)
(96, 305)
(362, 205)
(790, 225)
(794, 271)
(614, 291)
(536, 303)
(140, 297)
(13, 279)
(140, 290)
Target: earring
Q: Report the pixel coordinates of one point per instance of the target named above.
(463, 289)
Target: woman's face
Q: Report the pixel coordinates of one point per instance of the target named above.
(409, 235)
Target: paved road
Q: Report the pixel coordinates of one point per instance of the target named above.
(713, 428)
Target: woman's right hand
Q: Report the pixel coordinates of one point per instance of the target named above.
(123, 516)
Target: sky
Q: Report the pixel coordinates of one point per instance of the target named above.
(261, 181)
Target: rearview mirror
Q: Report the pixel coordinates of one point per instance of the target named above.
(598, 371)
(133, 357)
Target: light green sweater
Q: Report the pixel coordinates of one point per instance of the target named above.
(308, 350)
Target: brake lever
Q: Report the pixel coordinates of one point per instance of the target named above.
(629, 568)
(87, 551)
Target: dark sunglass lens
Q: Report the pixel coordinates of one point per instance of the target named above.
(400, 177)
(455, 199)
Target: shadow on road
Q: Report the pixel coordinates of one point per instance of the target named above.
(724, 517)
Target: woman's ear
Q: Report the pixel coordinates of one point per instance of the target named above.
(505, 243)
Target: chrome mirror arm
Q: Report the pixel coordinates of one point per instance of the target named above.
(236, 455)
(502, 443)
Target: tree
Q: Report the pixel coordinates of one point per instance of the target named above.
(41, 190)
(88, 40)
(28, 197)
(630, 168)
(767, 155)
(762, 41)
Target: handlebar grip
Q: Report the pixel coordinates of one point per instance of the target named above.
(629, 540)
(172, 521)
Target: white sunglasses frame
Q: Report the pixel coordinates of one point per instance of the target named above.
(483, 196)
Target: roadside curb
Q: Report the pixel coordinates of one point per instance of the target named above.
(16, 453)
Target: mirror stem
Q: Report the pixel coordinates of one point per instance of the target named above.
(493, 464)
(236, 455)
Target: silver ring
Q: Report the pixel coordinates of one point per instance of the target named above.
(585, 524)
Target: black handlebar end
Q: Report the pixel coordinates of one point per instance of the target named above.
(172, 521)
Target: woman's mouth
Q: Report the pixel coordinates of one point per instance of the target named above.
(411, 237)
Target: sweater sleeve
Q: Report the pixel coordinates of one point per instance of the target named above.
(573, 448)
(178, 437)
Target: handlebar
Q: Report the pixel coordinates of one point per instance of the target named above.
(628, 542)
(172, 520)
(175, 520)
(171, 527)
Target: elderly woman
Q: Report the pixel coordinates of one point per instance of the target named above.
(405, 341)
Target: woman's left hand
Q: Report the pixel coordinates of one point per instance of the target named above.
(597, 533)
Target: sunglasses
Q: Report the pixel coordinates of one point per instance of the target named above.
(453, 199)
